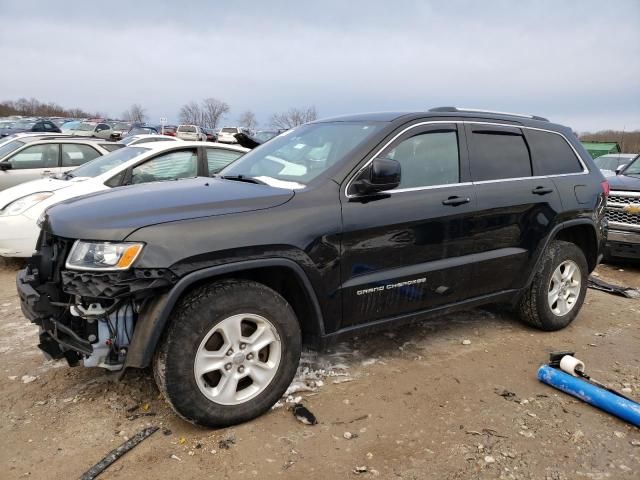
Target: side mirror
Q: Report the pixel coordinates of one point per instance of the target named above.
(619, 169)
(5, 166)
(383, 174)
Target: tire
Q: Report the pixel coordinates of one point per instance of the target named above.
(201, 325)
(536, 306)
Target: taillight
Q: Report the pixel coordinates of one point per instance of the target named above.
(605, 188)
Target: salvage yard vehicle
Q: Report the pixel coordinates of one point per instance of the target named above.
(613, 163)
(623, 214)
(22, 205)
(30, 157)
(191, 132)
(228, 134)
(40, 125)
(92, 129)
(333, 228)
(146, 138)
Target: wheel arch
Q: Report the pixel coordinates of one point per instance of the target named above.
(581, 232)
(282, 275)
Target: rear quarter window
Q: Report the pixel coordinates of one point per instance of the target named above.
(551, 154)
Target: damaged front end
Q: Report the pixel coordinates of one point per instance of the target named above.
(85, 315)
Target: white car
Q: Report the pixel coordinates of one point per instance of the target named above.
(92, 129)
(191, 132)
(227, 134)
(22, 205)
(612, 163)
(30, 157)
(146, 138)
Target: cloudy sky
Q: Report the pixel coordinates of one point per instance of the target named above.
(576, 61)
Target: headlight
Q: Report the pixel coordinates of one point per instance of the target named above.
(25, 203)
(103, 255)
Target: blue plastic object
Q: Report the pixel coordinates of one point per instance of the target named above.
(596, 396)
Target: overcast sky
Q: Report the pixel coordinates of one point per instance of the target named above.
(576, 62)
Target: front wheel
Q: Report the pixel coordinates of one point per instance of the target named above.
(230, 352)
(557, 292)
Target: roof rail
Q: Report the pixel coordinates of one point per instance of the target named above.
(477, 110)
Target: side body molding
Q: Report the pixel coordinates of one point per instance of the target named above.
(152, 321)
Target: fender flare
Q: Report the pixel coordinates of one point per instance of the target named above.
(552, 235)
(151, 324)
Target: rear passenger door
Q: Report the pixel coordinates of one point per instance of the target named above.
(515, 210)
(172, 165)
(218, 158)
(75, 154)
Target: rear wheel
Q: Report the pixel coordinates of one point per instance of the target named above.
(557, 292)
(230, 352)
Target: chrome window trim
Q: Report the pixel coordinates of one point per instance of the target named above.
(585, 170)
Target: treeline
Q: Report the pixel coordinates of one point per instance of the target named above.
(32, 107)
(629, 141)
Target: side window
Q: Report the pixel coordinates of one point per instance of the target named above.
(38, 127)
(36, 156)
(427, 159)
(498, 154)
(74, 155)
(116, 180)
(170, 166)
(551, 154)
(218, 158)
(47, 126)
(102, 127)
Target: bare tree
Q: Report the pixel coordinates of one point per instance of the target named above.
(212, 112)
(248, 120)
(135, 114)
(191, 114)
(294, 117)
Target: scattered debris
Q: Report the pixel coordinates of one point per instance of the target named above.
(508, 395)
(175, 457)
(489, 459)
(361, 469)
(115, 454)
(28, 378)
(342, 380)
(303, 415)
(620, 290)
(635, 443)
(226, 443)
(349, 435)
(166, 431)
(466, 341)
(142, 414)
(182, 441)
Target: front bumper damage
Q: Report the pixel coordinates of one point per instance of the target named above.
(88, 316)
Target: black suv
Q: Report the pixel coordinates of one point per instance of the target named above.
(332, 228)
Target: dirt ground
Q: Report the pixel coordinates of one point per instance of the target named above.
(416, 403)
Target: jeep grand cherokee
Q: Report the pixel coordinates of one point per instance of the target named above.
(332, 228)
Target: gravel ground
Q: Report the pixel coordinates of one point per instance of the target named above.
(406, 404)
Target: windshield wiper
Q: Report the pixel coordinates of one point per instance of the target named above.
(242, 178)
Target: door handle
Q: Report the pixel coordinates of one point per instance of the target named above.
(455, 201)
(542, 190)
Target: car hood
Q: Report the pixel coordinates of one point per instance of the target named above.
(43, 185)
(624, 182)
(115, 214)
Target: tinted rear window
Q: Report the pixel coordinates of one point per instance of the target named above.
(498, 154)
(551, 154)
(187, 128)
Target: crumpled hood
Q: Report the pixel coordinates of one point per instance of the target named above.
(624, 182)
(115, 214)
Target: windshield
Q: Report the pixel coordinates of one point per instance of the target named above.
(121, 126)
(69, 126)
(9, 147)
(86, 127)
(303, 153)
(265, 135)
(608, 163)
(633, 168)
(111, 160)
